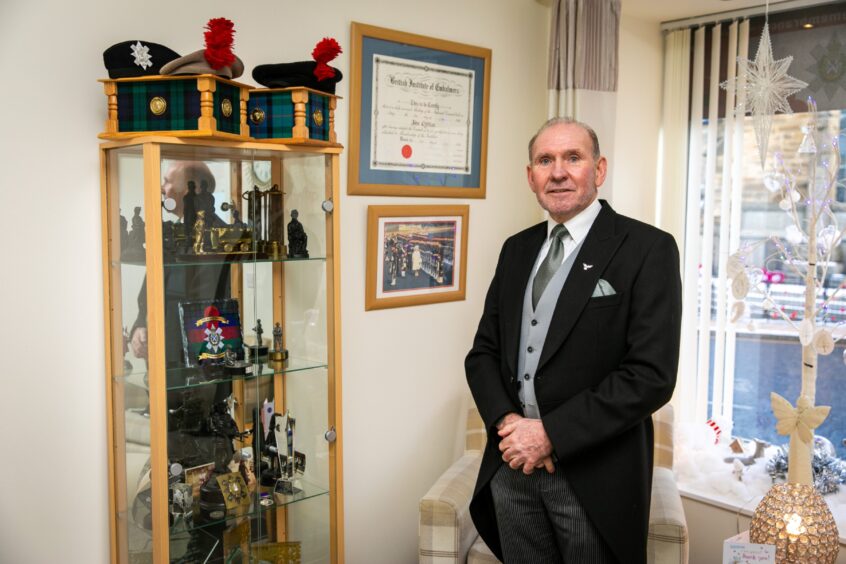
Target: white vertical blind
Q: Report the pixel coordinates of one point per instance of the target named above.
(723, 350)
(734, 222)
(707, 262)
(714, 181)
(692, 398)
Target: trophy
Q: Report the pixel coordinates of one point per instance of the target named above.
(278, 355)
(258, 352)
(291, 462)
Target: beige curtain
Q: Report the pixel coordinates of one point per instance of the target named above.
(672, 181)
(583, 58)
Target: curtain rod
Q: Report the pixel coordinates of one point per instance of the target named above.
(775, 8)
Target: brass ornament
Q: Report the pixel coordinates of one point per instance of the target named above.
(234, 490)
(158, 105)
(257, 115)
(796, 519)
(226, 107)
(317, 116)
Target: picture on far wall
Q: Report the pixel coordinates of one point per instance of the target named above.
(418, 115)
(415, 255)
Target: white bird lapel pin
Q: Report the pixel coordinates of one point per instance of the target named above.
(586, 266)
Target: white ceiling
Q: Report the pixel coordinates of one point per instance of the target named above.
(668, 10)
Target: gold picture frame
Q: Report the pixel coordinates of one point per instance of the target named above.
(418, 115)
(415, 255)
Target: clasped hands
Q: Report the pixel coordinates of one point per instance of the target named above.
(525, 444)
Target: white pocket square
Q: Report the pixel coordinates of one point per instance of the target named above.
(603, 288)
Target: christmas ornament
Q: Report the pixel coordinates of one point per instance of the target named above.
(767, 86)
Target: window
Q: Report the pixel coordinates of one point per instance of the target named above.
(739, 362)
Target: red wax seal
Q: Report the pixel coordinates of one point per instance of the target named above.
(406, 151)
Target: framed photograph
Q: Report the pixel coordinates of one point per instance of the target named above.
(197, 476)
(419, 109)
(415, 255)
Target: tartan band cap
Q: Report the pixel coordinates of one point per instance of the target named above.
(287, 75)
(134, 58)
(196, 63)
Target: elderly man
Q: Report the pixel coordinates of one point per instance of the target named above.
(576, 348)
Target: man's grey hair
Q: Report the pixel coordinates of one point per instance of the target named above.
(566, 121)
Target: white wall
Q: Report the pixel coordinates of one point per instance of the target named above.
(402, 368)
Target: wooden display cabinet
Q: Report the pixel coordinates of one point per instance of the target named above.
(174, 406)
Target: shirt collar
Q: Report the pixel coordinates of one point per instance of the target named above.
(579, 225)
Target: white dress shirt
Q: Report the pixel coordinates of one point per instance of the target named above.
(577, 230)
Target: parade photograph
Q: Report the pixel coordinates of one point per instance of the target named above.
(416, 255)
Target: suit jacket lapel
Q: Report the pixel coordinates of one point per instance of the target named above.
(597, 250)
(518, 277)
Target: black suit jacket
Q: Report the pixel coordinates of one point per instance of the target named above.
(607, 364)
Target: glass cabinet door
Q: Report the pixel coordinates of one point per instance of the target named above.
(221, 324)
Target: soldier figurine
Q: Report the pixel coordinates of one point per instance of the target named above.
(134, 249)
(278, 355)
(124, 232)
(259, 332)
(189, 208)
(205, 200)
(258, 351)
(199, 232)
(277, 337)
(297, 238)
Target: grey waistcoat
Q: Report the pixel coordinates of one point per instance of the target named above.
(533, 336)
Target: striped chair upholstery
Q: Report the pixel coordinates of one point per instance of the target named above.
(447, 534)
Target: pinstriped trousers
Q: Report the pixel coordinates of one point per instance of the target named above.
(541, 521)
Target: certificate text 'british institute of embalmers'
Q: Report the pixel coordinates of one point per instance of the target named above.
(422, 116)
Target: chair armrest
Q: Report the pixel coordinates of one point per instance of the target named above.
(667, 541)
(445, 530)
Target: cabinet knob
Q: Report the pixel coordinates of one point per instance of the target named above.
(327, 206)
(330, 435)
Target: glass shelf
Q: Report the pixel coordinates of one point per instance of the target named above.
(219, 262)
(309, 491)
(181, 374)
(187, 544)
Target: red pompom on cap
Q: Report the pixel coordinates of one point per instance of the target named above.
(219, 35)
(325, 50)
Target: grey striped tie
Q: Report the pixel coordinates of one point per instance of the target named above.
(550, 264)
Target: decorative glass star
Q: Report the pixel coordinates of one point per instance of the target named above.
(767, 87)
(142, 55)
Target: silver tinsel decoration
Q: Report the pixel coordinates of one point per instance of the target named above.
(829, 471)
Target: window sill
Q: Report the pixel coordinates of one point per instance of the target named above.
(703, 476)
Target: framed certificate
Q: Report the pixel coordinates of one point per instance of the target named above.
(418, 115)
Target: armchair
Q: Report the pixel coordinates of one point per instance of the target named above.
(447, 534)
